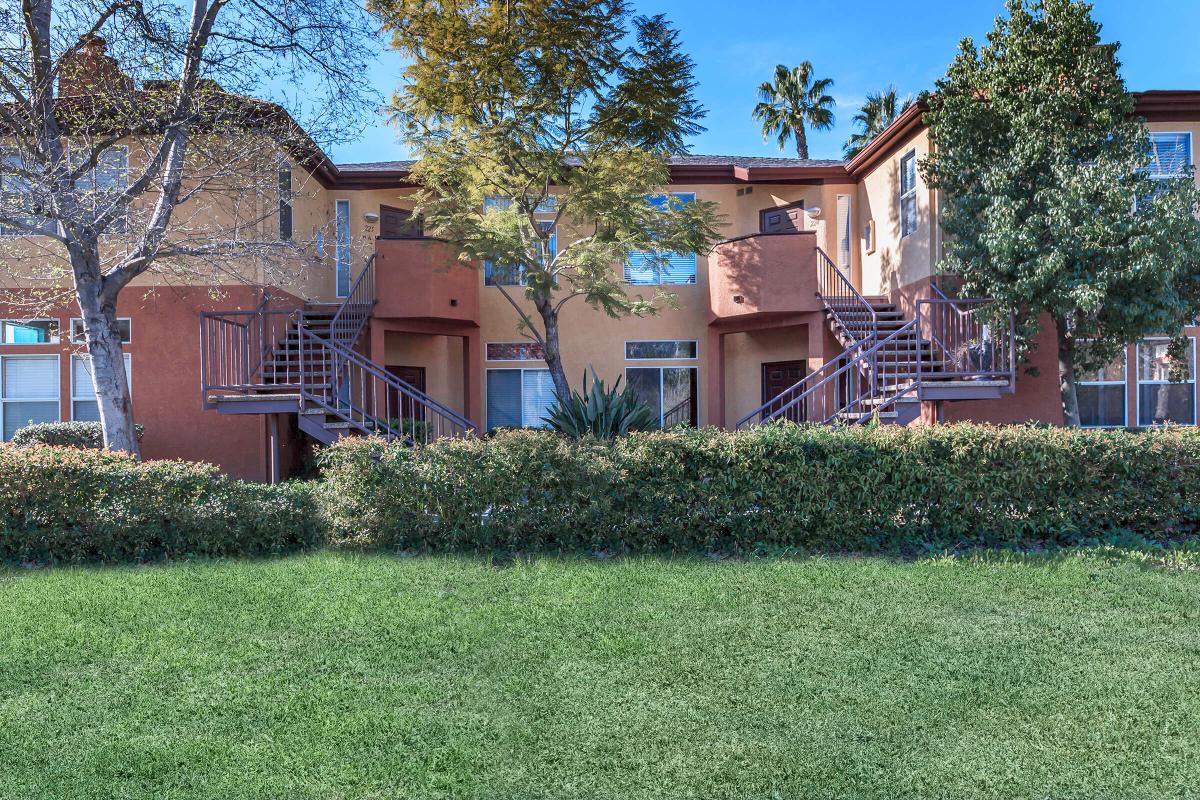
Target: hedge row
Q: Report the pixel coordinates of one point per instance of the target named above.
(65, 434)
(61, 504)
(779, 486)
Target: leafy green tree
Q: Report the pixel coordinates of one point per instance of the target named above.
(1050, 203)
(793, 100)
(543, 131)
(879, 111)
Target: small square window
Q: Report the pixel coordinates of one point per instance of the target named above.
(124, 325)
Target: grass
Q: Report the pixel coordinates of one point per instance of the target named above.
(348, 676)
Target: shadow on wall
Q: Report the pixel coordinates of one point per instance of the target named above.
(763, 273)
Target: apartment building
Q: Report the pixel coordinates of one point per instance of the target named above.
(820, 304)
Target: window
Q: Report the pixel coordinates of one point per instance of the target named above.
(124, 327)
(342, 248)
(670, 392)
(908, 193)
(84, 406)
(285, 202)
(18, 199)
(109, 176)
(29, 331)
(1160, 401)
(549, 205)
(515, 276)
(635, 351)
(1170, 154)
(518, 398)
(1101, 395)
(869, 236)
(515, 351)
(28, 391)
(844, 232)
(648, 269)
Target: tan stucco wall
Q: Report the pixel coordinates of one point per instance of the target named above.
(745, 353)
(442, 358)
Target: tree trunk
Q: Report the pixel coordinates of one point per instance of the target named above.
(104, 346)
(1066, 375)
(553, 355)
(801, 141)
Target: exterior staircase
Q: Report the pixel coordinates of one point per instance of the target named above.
(304, 361)
(890, 363)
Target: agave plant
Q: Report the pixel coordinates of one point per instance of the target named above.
(602, 412)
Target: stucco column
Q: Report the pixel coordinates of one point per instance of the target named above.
(473, 377)
(715, 390)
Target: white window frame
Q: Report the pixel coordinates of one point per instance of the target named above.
(1138, 382)
(93, 397)
(1191, 148)
(508, 360)
(57, 399)
(658, 278)
(1124, 384)
(288, 201)
(522, 370)
(628, 342)
(55, 340)
(909, 194)
(661, 393)
(337, 249)
(82, 339)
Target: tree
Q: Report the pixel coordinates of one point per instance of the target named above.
(879, 111)
(1050, 205)
(542, 128)
(794, 99)
(115, 116)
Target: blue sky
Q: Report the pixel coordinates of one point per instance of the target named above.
(863, 47)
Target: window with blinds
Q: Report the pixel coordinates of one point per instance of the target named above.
(518, 398)
(1170, 154)
(505, 275)
(28, 391)
(843, 232)
(908, 193)
(84, 406)
(651, 268)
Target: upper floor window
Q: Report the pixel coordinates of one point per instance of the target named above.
(285, 202)
(109, 176)
(19, 201)
(1170, 154)
(651, 268)
(505, 275)
(908, 193)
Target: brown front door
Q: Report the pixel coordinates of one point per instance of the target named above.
(777, 377)
(401, 405)
(787, 219)
(396, 223)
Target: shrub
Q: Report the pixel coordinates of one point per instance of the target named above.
(872, 488)
(601, 412)
(64, 434)
(60, 504)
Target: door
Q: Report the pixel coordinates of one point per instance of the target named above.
(404, 409)
(787, 219)
(777, 377)
(396, 223)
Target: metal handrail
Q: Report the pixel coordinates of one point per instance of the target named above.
(950, 325)
(326, 393)
(355, 309)
(830, 276)
(815, 377)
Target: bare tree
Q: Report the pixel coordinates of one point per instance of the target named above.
(146, 136)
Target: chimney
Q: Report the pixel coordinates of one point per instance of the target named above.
(91, 71)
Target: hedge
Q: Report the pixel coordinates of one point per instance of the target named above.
(64, 504)
(873, 488)
(65, 434)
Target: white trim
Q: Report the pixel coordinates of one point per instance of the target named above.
(1124, 384)
(57, 399)
(627, 342)
(1191, 146)
(911, 192)
(522, 370)
(1137, 381)
(82, 340)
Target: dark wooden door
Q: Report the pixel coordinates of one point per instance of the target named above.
(777, 377)
(396, 223)
(403, 406)
(787, 219)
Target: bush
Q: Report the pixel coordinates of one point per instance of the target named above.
(65, 434)
(873, 488)
(60, 504)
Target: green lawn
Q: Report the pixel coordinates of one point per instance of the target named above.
(344, 676)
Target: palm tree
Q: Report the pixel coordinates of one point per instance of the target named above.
(877, 113)
(791, 101)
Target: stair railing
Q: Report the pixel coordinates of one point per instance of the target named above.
(842, 300)
(352, 315)
(369, 399)
(864, 379)
(966, 343)
(235, 347)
